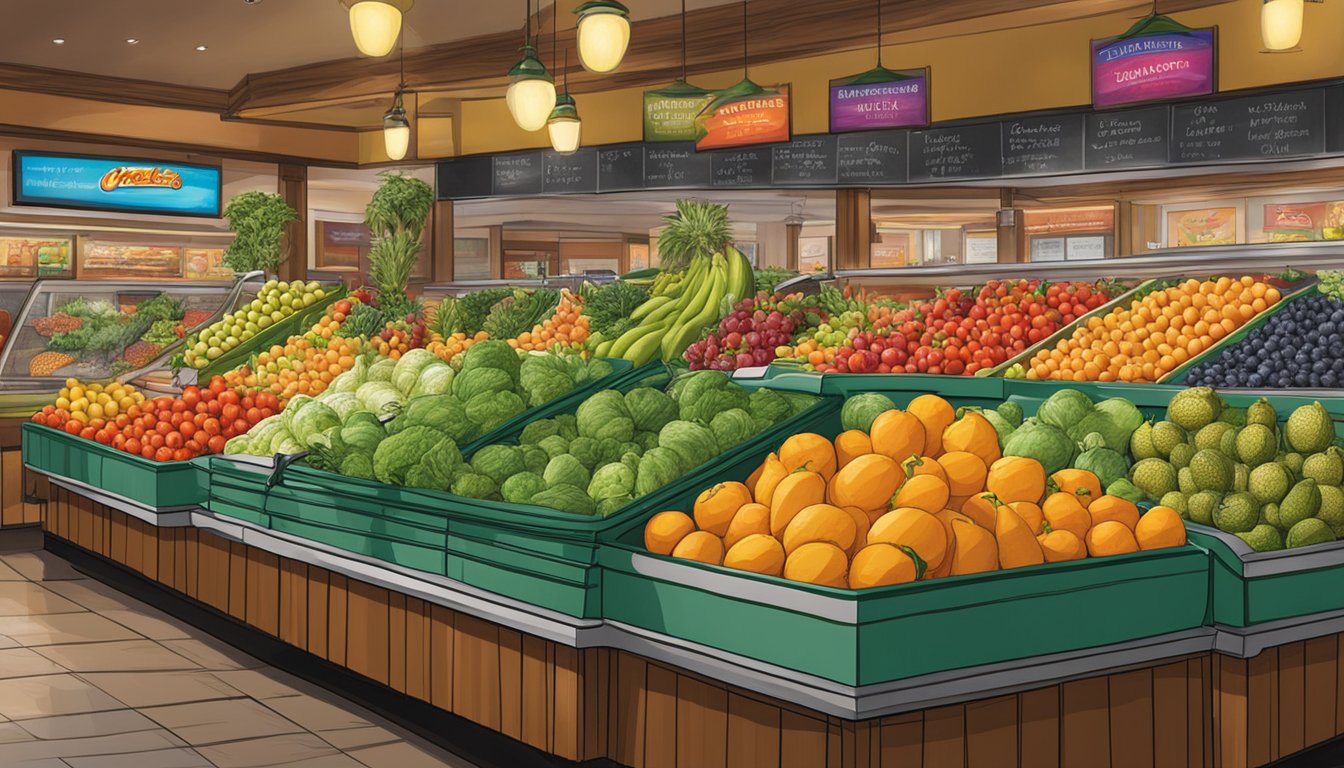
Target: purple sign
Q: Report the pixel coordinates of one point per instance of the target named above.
(1154, 67)
(880, 99)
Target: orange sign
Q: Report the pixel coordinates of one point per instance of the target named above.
(126, 176)
(1078, 220)
(743, 115)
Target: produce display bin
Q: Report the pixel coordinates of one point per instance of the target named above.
(1025, 355)
(900, 387)
(1252, 587)
(1179, 375)
(294, 325)
(891, 633)
(157, 485)
(236, 488)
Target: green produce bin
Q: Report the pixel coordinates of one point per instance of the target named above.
(892, 633)
(237, 488)
(900, 387)
(160, 486)
(1252, 587)
(1179, 375)
(294, 325)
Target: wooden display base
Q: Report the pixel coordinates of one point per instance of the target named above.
(599, 704)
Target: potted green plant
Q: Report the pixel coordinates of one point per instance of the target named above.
(396, 217)
(258, 221)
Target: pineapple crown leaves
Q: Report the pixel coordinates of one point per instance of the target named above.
(697, 229)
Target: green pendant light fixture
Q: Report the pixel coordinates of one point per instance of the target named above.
(396, 128)
(376, 24)
(1281, 24)
(531, 93)
(604, 34)
(564, 126)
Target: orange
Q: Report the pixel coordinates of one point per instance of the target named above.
(1114, 508)
(982, 509)
(665, 530)
(1016, 542)
(1030, 513)
(914, 528)
(935, 414)
(850, 445)
(701, 546)
(1160, 527)
(1111, 538)
(881, 565)
(757, 553)
(965, 472)
(716, 506)
(751, 518)
(1063, 511)
(818, 563)
(1059, 546)
(1016, 478)
(897, 435)
(924, 492)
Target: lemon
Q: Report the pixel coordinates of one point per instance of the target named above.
(95, 411)
(76, 392)
(111, 410)
(63, 403)
(71, 383)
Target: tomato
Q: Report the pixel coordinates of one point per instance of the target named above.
(155, 440)
(230, 411)
(54, 421)
(193, 446)
(216, 385)
(191, 396)
(178, 406)
(208, 395)
(202, 407)
(187, 428)
(163, 454)
(248, 402)
(229, 397)
(163, 427)
(254, 415)
(119, 442)
(240, 426)
(147, 452)
(266, 413)
(214, 407)
(343, 306)
(216, 444)
(211, 427)
(181, 454)
(137, 431)
(174, 440)
(72, 426)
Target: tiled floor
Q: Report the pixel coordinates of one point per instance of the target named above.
(91, 678)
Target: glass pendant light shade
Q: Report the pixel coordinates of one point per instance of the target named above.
(1281, 24)
(396, 130)
(375, 24)
(564, 126)
(604, 34)
(531, 94)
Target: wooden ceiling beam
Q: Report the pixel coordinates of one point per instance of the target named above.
(780, 30)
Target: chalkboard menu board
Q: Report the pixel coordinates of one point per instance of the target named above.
(620, 168)
(675, 165)
(1127, 139)
(571, 174)
(968, 151)
(808, 160)
(741, 168)
(876, 157)
(1050, 144)
(465, 178)
(1292, 122)
(1249, 128)
(519, 174)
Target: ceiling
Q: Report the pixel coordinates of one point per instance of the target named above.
(241, 37)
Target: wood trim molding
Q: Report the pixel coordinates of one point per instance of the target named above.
(83, 85)
(782, 29)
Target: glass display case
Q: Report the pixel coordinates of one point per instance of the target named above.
(102, 329)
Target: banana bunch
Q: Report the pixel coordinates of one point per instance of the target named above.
(668, 324)
(665, 283)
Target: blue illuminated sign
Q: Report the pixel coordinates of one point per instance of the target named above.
(116, 184)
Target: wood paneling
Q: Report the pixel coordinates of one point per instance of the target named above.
(590, 704)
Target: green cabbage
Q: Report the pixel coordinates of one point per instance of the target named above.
(350, 380)
(474, 486)
(657, 468)
(1012, 412)
(585, 450)
(491, 409)
(381, 370)
(859, 411)
(395, 456)
(520, 488)
(565, 498)
(568, 424)
(566, 470)
(498, 462)
(1064, 409)
(544, 376)
(312, 420)
(732, 427)
(406, 372)
(768, 407)
(555, 445)
(538, 430)
(358, 465)
(1105, 463)
(379, 398)
(692, 442)
(708, 402)
(343, 403)
(478, 381)
(493, 354)
(1043, 442)
(608, 506)
(692, 385)
(435, 379)
(442, 412)
(605, 415)
(611, 481)
(649, 408)
(363, 432)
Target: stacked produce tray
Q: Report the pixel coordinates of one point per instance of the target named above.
(278, 333)
(1252, 587)
(153, 485)
(884, 634)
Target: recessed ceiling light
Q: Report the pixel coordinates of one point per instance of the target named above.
(58, 40)
(202, 48)
(132, 40)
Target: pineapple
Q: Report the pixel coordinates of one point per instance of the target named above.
(697, 229)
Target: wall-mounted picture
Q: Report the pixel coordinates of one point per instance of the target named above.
(814, 254)
(1204, 226)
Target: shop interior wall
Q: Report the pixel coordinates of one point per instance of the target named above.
(990, 73)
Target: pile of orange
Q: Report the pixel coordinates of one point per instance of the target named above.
(568, 327)
(923, 494)
(449, 347)
(1155, 334)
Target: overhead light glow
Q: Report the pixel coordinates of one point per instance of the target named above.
(604, 34)
(202, 48)
(1281, 24)
(58, 40)
(564, 126)
(531, 93)
(132, 40)
(396, 130)
(376, 24)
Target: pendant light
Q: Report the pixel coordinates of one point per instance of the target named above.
(564, 126)
(603, 33)
(531, 93)
(396, 128)
(375, 24)
(1281, 24)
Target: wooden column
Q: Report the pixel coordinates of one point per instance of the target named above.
(294, 189)
(496, 251)
(1012, 232)
(853, 229)
(441, 268)
(791, 249)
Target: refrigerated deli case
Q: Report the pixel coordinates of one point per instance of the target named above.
(89, 330)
